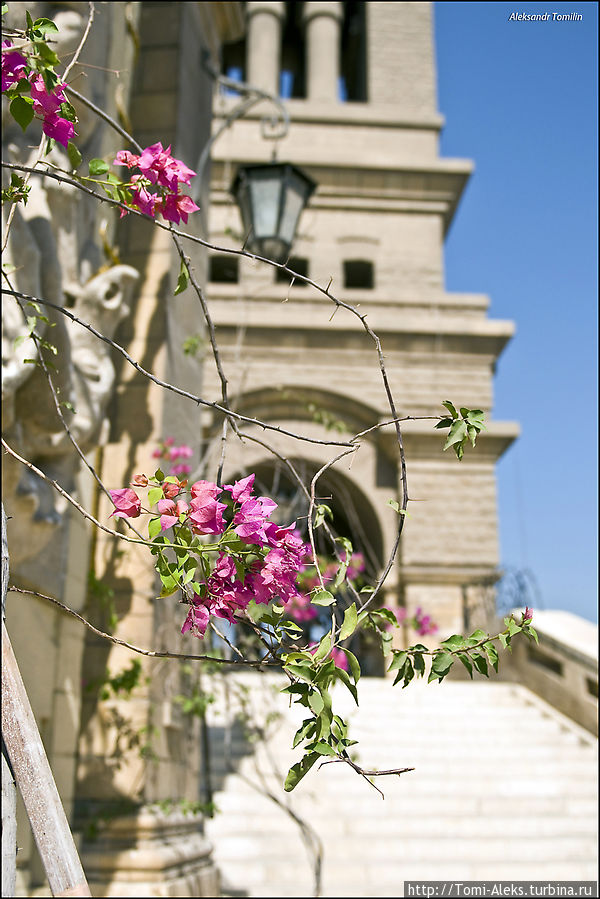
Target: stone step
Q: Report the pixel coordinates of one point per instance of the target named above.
(360, 880)
(504, 789)
(391, 850)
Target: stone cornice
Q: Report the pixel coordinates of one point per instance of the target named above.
(337, 114)
(434, 187)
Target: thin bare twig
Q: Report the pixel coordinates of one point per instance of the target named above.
(156, 654)
(84, 38)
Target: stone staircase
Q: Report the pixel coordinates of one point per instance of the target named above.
(505, 788)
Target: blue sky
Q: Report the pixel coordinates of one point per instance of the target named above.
(520, 99)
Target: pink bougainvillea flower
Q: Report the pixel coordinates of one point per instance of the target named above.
(301, 609)
(127, 503)
(176, 208)
(251, 517)
(61, 130)
(207, 514)
(197, 618)
(160, 167)
(142, 198)
(423, 624)
(181, 468)
(181, 171)
(527, 614)
(45, 102)
(181, 452)
(170, 490)
(153, 161)
(339, 657)
(124, 157)
(170, 512)
(241, 490)
(14, 67)
(139, 480)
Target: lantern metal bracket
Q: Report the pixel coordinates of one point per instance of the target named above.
(273, 127)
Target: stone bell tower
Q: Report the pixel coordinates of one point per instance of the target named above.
(359, 82)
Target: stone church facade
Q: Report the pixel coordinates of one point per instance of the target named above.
(365, 127)
(358, 80)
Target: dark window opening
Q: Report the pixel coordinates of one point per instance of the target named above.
(592, 687)
(353, 55)
(292, 78)
(297, 264)
(544, 660)
(358, 273)
(233, 64)
(223, 269)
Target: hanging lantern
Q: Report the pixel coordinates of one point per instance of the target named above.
(271, 198)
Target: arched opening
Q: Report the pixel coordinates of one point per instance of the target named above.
(352, 517)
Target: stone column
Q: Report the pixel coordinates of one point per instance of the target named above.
(323, 22)
(264, 44)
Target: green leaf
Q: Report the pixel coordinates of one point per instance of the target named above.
(97, 167)
(451, 409)
(296, 690)
(409, 673)
(170, 586)
(154, 494)
(154, 527)
(21, 110)
(350, 622)
(324, 749)
(492, 654)
(323, 598)
(345, 679)
(456, 641)
(472, 434)
(324, 647)
(385, 615)
(400, 657)
(183, 280)
(305, 731)
(315, 701)
(531, 632)
(74, 155)
(480, 663)
(440, 666)
(300, 671)
(466, 662)
(513, 627)
(321, 512)
(419, 664)
(340, 575)
(299, 770)
(476, 637)
(47, 53)
(458, 432)
(444, 423)
(44, 25)
(475, 417)
(354, 665)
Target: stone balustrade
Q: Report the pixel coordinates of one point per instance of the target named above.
(563, 669)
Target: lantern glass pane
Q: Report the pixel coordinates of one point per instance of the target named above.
(265, 191)
(293, 205)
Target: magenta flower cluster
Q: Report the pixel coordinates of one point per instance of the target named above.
(419, 622)
(158, 169)
(47, 105)
(266, 569)
(171, 454)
